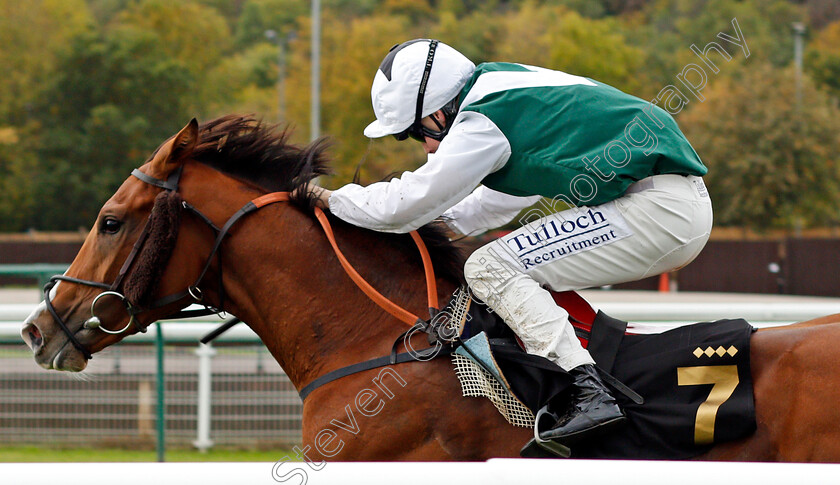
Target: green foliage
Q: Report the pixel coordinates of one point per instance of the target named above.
(822, 12)
(771, 164)
(113, 98)
(245, 82)
(477, 35)
(91, 87)
(668, 28)
(260, 16)
(823, 59)
(105, 10)
(18, 172)
(31, 35)
(586, 8)
(595, 49)
(416, 10)
(195, 36)
(345, 93)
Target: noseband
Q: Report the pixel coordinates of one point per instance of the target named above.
(193, 291)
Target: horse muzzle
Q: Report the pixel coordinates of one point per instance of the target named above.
(50, 352)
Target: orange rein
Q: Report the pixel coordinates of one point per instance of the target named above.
(397, 311)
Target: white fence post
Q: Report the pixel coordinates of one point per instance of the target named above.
(205, 353)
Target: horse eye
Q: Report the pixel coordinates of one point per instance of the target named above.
(110, 225)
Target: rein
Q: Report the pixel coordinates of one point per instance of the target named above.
(398, 312)
(395, 310)
(193, 291)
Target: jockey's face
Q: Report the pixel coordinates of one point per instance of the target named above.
(430, 145)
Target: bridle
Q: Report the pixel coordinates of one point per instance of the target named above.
(194, 291)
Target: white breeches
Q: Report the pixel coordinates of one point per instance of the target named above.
(659, 225)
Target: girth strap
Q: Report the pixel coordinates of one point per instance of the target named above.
(366, 365)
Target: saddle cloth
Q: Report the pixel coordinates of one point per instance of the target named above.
(695, 380)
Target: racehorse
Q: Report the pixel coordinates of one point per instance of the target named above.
(276, 270)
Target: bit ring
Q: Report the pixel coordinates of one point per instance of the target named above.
(127, 307)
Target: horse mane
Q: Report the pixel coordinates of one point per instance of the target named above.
(248, 149)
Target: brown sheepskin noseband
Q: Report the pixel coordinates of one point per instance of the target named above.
(142, 282)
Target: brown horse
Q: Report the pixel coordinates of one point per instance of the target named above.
(276, 271)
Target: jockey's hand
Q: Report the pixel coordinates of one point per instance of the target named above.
(322, 195)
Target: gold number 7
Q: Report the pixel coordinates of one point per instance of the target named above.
(725, 380)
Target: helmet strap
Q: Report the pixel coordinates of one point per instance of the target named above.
(421, 93)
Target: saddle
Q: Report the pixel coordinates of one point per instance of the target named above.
(683, 390)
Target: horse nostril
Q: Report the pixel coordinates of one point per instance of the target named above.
(35, 335)
(32, 336)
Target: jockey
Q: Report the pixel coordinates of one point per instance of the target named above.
(502, 137)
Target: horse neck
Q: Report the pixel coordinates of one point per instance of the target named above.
(292, 291)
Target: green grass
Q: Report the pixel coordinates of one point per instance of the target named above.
(10, 454)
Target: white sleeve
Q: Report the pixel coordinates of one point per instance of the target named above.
(474, 148)
(486, 209)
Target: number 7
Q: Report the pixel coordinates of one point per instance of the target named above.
(725, 380)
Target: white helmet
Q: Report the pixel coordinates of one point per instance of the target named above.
(420, 71)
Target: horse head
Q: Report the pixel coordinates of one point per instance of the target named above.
(91, 306)
(150, 251)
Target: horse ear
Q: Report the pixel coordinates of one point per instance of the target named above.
(184, 142)
(176, 149)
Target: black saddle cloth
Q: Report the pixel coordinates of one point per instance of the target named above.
(695, 380)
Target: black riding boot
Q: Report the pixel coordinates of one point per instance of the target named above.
(593, 411)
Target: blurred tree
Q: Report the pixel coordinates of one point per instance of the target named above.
(525, 35)
(771, 165)
(31, 33)
(622, 6)
(245, 82)
(282, 15)
(352, 51)
(595, 49)
(91, 87)
(460, 8)
(823, 12)
(822, 58)
(195, 35)
(229, 9)
(18, 171)
(559, 38)
(105, 10)
(668, 28)
(476, 35)
(416, 10)
(352, 8)
(258, 16)
(586, 8)
(114, 98)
